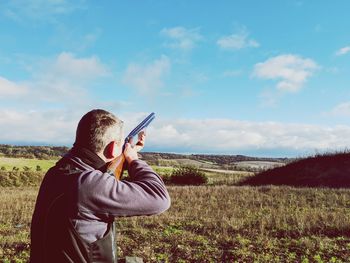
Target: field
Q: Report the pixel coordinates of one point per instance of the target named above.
(9, 163)
(219, 222)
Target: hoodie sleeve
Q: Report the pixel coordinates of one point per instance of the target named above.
(145, 194)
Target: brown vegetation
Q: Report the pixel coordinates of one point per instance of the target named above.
(328, 170)
(213, 224)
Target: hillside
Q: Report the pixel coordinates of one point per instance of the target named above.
(209, 159)
(34, 152)
(201, 160)
(329, 170)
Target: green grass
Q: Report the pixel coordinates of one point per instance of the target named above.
(9, 163)
(163, 170)
(223, 177)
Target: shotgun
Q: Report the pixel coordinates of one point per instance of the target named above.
(116, 166)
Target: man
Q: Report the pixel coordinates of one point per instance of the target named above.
(73, 220)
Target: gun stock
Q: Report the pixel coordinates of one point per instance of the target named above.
(116, 166)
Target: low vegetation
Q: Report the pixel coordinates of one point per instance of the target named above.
(215, 222)
(327, 170)
(20, 178)
(38, 152)
(25, 164)
(188, 175)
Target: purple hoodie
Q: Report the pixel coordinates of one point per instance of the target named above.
(92, 199)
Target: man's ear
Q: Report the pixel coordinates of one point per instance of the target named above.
(109, 150)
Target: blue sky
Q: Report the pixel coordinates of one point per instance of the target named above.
(267, 78)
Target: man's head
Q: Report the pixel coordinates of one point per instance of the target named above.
(101, 132)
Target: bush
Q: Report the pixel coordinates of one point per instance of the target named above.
(20, 178)
(26, 168)
(188, 175)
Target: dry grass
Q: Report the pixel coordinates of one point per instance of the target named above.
(214, 224)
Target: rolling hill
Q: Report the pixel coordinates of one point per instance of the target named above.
(328, 170)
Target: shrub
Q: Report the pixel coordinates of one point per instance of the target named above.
(188, 175)
(26, 168)
(165, 177)
(20, 178)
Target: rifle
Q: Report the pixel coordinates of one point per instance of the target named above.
(116, 166)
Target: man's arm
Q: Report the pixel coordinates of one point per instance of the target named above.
(146, 194)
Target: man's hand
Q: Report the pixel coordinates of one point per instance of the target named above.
(130, 151)
(141, 141)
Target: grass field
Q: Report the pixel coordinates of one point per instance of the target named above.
(9, 163)
(213, 223)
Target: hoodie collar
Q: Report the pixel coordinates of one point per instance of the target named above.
(88, 157)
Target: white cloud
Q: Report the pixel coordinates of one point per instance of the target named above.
(342, 109)
(237, 41)
(181, 37)
(291, 71)
(54, 127)
(226, 135)
(66, 77)
(186, 135)
(68, 38)
(147, 79)
(9, 88)
(68, 65)
(39, 9)
(343, 51)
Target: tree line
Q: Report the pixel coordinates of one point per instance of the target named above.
(218, 159)
(33, 152)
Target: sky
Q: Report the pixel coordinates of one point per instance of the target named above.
(261, 78)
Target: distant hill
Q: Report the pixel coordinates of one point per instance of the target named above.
(165, 159)
(210, 159)
(329, 170)
(38, 152)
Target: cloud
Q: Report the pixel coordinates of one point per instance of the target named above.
(53, 126)
(342, 109)
(181, 38)
(39, 9)
(181, 135)
(68, 65)
(66, 77)
(237, 41)
(147, 79)
(68, 38)
(291, 71)
(343, 51)
(9, 88)
(232, 136)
